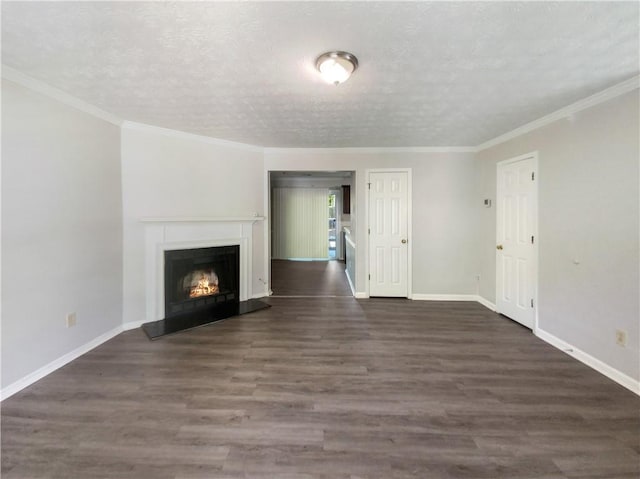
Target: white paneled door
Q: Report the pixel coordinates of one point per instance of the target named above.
(388, 233)
(516, 259)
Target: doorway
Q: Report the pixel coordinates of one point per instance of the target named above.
(306, 253)
(517, 239)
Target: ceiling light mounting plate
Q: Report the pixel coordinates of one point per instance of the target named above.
(336, 66)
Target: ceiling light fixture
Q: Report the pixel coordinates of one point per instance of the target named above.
(336, 67)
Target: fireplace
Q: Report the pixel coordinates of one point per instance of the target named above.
(201, 279)
(198, 272)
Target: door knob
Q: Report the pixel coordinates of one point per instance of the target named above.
(499, 246)
(404, 241)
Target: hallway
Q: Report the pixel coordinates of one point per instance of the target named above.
(309, 278)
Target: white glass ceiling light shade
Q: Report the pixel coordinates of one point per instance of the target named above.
(336, 67)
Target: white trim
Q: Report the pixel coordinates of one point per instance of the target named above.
(367, 179)
(526, 156)
(610, 372)
(36, 85)
(132, 125)
(486, 303)
(261, 294)
(605, 95)
(132, 325)
(164, 236)
(445, 297)
(369, 150)
(267, 230)
(455, 297)
(203, 219)
(26, 81)
(585, 358)
(47, 369)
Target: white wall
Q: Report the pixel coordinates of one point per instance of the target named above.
(165, 174)
(61, 229)
(444, 208)
(588, 211)
(67, 236)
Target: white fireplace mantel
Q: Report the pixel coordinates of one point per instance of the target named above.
(164, 234)
(203, 219)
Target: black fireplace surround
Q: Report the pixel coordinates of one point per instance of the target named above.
(201, 286)
(217, 268)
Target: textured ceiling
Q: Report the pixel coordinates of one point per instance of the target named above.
(431, 74)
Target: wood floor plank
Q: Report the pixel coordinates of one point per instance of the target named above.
(309, 278)
(320, 388)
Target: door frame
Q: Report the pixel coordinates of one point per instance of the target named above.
(268, 217)
(534, 211)
(367, 175)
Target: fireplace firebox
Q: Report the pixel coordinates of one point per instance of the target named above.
(200, 279)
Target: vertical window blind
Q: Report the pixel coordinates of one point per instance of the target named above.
(300, 223)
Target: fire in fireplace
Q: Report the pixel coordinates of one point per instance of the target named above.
(201, 283)
(201, 278)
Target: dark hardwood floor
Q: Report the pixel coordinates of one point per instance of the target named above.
(309, 278)
(327, 388)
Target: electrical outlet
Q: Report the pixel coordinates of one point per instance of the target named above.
(621, 338)
(71, 320)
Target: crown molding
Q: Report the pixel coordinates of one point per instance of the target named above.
(31, 83)
(373, 150)
(132, 125)
(605, 95)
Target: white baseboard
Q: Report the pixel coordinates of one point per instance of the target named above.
(31, 378)
(585, 358)
(455, 297)
(444, 297)
(486, 303)
(133, 325)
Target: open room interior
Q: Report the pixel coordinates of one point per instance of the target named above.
(462, 201)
